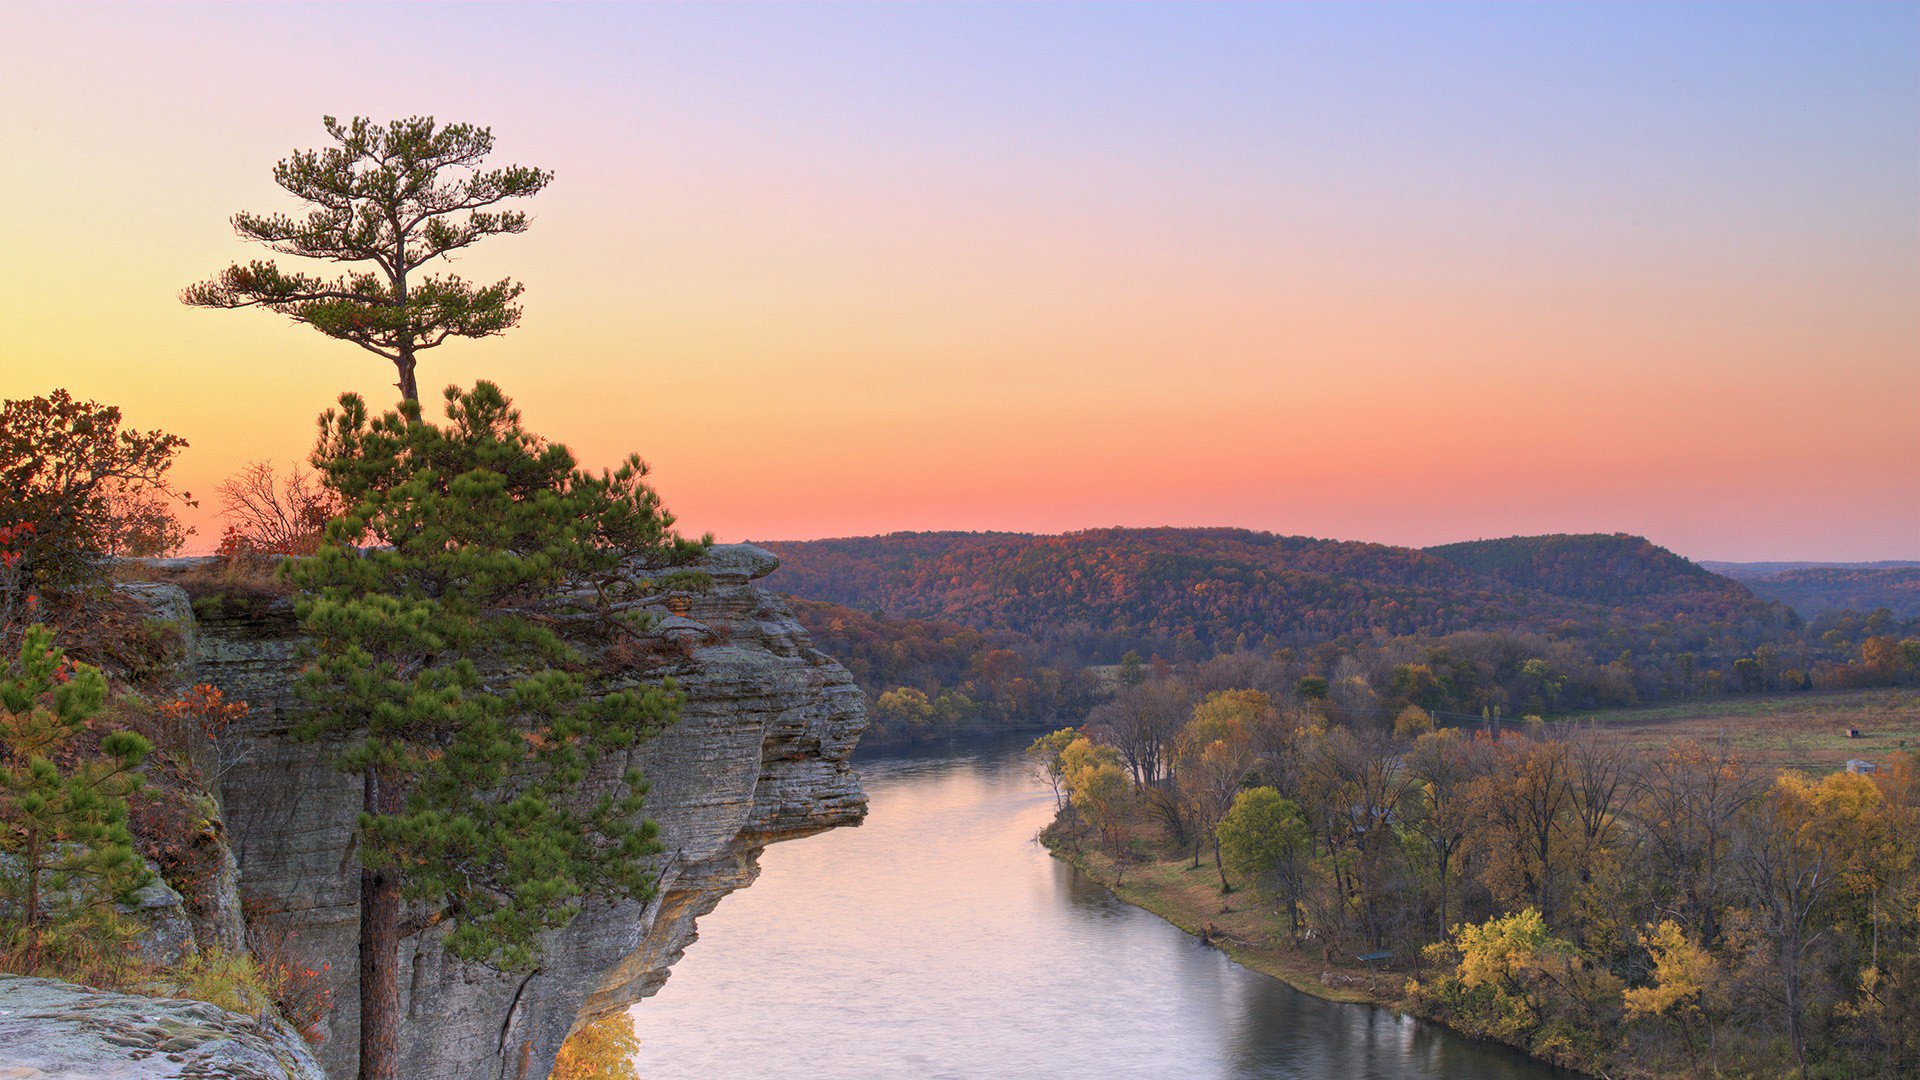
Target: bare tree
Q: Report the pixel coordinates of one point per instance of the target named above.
(275, 514)
(1687, 801)
(1141, 721)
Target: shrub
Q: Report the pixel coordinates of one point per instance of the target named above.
(300, 992)
(89, 488)
(64, 813)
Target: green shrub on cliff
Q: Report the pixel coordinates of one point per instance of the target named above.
(63, 814)
(445, 667)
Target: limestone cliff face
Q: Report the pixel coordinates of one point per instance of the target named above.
(759, 755)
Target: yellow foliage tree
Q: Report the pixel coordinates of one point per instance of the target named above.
(1680, 969)
(1412, 723)
(602, 1050)
(1098, 789)
(1684, 988)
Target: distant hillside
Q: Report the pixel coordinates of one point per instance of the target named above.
(1813, 588)
(1192, 592)
(1749, 571)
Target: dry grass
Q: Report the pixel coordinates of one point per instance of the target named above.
(217, 585)
(1801, 730)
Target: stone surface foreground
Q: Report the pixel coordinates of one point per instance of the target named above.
(58, 1031)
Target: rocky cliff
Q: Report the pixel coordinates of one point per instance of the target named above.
(759, 755)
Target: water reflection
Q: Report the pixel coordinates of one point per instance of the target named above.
(938, 940)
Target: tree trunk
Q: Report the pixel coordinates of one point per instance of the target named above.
(409, 389)
(31, 959)
(1796, 1033)
(1221, 870)
(379, 958)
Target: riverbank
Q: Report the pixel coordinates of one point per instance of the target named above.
(1235, 923)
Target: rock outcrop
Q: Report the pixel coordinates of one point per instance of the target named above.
(759, 755)
(58, 1031)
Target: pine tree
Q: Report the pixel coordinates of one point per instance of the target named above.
(445, 665)
(64, 825)
(389, 199)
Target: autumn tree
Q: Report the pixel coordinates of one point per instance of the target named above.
(1214, 752)
(1794, 865)
(384, 201)
(1512, 979)
(1525, 800)
(1141, 720)
(1359, 788)
(1686, 990)
(85, 486)
(445, 668)
(1688, 800)
(1047, 755)
(1101, 793)
(1600, 778)
(602, 1049)
(63, 811)
(1442, 764)
(904, 708)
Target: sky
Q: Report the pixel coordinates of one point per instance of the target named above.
(1411, 274)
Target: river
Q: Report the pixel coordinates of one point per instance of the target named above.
(940, 940)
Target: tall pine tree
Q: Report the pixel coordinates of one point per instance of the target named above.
(446, 666)
(386, 199)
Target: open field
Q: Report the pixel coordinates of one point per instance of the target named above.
(1784, 730)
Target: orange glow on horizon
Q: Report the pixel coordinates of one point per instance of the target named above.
(832, 323)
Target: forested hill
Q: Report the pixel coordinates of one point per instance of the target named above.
(1814, 588)
(1192, 592)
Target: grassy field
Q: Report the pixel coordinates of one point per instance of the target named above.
(1783, 730)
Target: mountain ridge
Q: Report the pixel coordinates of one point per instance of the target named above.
(1194, 590)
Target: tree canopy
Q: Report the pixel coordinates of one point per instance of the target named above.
(447, 668)
(386, 199)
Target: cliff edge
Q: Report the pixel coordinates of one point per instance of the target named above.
(758, 756)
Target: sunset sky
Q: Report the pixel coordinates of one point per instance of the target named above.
(1401, 273)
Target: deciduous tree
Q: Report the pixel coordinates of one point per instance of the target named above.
(1264, 839)
(85, 486)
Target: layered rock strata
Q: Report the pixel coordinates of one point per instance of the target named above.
(758, 756)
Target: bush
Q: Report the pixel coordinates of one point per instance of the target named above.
(63, 812)
(89, 488)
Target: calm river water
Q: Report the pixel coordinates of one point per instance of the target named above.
(940, 940)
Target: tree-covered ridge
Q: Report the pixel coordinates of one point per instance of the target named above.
(928, 678)
(1596, 567)
(1192, 592)
(1814, 590)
